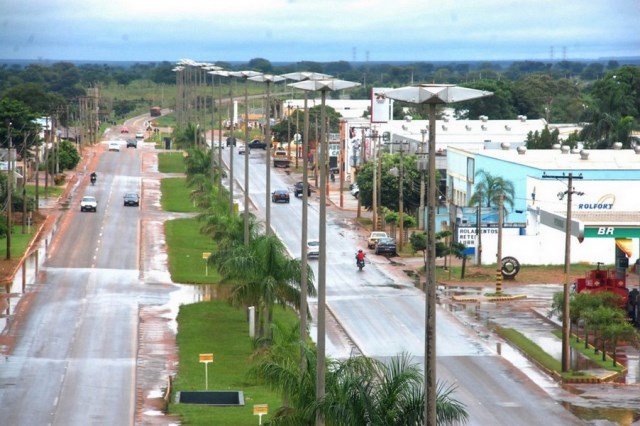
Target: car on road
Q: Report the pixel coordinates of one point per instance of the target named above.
(231, 141)
(88, 203)
(374, 237)
(355, 191)
(313, 248)
(131, 199)
(280, 195)
(140, 135)
(114, 146)
(243, 150)
(386, 246)
(257, 144)
(132, 143)
(299, 187)
(124, 130)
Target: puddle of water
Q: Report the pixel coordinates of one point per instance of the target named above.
(620, 416)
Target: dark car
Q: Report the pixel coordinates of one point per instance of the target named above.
(257, 144)
(299, 187)
(231, 141)
(280, 195)
(131, 199)
(386, 246)
(132, 143)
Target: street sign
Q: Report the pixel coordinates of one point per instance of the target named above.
(260, 410)
(206, 359)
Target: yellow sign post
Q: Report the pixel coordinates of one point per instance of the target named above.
(206, 359)
(260, 410)
(205, 256)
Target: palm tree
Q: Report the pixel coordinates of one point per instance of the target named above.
(489, 188)
(265, 276)
(360, 391)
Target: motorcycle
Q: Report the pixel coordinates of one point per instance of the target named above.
(359, 263)
(93, 179)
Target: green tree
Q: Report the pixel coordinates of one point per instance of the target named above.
(68, 157)
(265, 276)
(489, 188)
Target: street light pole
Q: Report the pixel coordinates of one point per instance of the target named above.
(432, 95)
(422, 170)
(245, 75)
(268, 79)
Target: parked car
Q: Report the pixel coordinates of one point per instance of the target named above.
(313, 248)
(374, 237)
(386, 246)
(132, 143)
(131, 199)
(88, 203)
(257, 144)
(280, 195)
(299, 187)
(114, 146)
(355, 191)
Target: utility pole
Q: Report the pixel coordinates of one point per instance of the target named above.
(479, 228)
(499, 251)
(566, 348)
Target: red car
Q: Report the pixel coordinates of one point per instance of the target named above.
(124, 130)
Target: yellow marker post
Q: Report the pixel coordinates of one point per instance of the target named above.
(260, 410)
(206, 359)
(205, 256)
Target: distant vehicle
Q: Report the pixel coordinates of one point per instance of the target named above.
(88, 204)
(243, 150)
(386, 246)
(257, 144)
(231, 141)
(313, 248)
(280, 158)
(280, 195)
(374, 237)
(140, 135)
(132, 143)
(299, 187)
(131, 199)
(114, 146)
(155, 111)
(124, 130)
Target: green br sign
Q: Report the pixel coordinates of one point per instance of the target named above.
(611, 232)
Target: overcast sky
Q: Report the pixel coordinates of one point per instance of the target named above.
(318, 30)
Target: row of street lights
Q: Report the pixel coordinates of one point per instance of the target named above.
(431, 95)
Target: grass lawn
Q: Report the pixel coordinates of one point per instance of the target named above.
(19, 242)
(186, 246)
(216, 327)
(52, 191)
(175, 196)
(171, 162)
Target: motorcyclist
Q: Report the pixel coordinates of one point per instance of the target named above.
(94, 177)
(360, 257)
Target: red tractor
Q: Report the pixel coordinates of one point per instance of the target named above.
(598, 280)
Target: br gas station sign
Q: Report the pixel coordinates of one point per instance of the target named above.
(611, 232)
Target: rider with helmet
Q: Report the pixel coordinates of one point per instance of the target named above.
(360, 257)
(94, 177)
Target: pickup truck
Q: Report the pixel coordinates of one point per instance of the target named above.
(374, 237)
(280, 158)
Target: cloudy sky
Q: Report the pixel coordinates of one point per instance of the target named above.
(318, 30)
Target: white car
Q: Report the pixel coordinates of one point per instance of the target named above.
(355, 191)
(88, 204)
(243, 150)
(114, 146)
(140, 135)
(313, 248)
